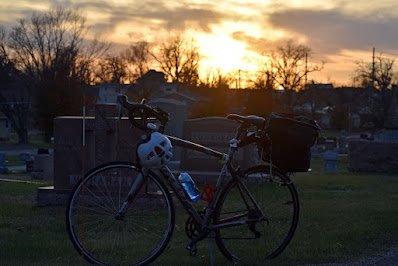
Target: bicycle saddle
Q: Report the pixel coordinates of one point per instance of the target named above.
(252, 119)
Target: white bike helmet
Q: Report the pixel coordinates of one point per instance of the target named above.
(155, 153)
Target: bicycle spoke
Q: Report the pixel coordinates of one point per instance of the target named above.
(139, 236)
(264, 235)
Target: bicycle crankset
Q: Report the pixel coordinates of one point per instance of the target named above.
(191, 227)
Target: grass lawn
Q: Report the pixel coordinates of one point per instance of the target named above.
(34, 140)
(343, 216)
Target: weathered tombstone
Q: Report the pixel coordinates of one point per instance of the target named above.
(3, 168)
(178, 112)
(24, 157)
(355, 121)
(43, 167)
(373, 156)
(215, 133)
(391, 122)
(116, 141)
(330, 144)
(330, 161)
(381, 154)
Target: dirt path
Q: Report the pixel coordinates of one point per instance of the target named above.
(389, 257)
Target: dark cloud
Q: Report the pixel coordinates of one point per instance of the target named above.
(182, 18)
(259, 45)
(200, 17)
(331, 31)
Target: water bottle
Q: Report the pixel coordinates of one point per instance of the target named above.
(189, 186)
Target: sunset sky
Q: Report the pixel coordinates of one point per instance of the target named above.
(232, 34)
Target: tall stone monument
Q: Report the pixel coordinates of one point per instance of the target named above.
(106, 141)
(380, 155)
(391, 123)
(178, 112)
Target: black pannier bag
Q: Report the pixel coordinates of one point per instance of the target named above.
(286, 141)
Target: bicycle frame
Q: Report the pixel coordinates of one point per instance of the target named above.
(147, 214)
(228, 166)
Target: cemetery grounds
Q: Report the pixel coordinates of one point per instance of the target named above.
(344, 217)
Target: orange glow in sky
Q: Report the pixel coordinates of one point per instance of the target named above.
(234, 34)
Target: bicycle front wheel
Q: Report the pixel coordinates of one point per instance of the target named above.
(272, 210)
(136, 238)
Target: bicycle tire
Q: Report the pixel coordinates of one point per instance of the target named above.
(278, 199)
(140, 237)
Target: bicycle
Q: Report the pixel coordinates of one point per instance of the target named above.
(124, 213)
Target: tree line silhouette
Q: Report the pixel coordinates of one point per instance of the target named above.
(46, 63)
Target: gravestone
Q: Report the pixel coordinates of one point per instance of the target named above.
(215, 133)
(330, 143)
(105, 139)
(330, 161)
(391, 122)
(3, 168)
(24, 157)
(381, 154)
(373, 156)
(178, 112)
(43, 167)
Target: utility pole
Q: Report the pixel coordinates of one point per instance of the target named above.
(239, 78)
(373, 68)
(305, 77)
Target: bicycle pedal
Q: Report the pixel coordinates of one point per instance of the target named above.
(192, 250)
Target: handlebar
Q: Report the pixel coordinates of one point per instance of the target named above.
(144, 112)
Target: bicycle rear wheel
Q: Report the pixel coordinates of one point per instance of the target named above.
(262, 240)
(138, 237)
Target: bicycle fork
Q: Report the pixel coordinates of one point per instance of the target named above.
(135, 189)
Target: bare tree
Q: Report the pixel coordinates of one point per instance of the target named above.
(381, 77)
(14, 95)
(137, 55)
(288, 67)
(113, 69)
(43, 39)
(264, 79)
(87, 61)
(214, 78)
(179, 60)
(49, 48)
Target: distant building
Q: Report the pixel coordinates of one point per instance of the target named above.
(153, 85)
(321, 86)
(107, 92)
